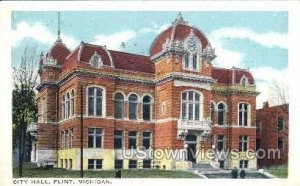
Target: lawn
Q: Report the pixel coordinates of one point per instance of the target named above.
(280, 171)
(31, 171)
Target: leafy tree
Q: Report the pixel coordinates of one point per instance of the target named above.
(24, 104)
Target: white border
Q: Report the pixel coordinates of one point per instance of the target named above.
(6, 79)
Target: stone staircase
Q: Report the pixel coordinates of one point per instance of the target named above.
(203, 167)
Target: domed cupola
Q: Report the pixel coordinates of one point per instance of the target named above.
(181, 38)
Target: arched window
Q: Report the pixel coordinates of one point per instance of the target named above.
(243, 114)
(147, 108)
(63, 108)
(244, 81)
(72, 103)
(96, 60)
(186, 60)
(119, 105)
(68, 105)
(221, 114)
(212, 112)
(95, 96)
(133, 100)
(190, 138)
(195, 62)
(190, 106)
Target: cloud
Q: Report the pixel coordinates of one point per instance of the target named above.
(113, 41)
(226, 58)
(155, 29)
(38, 32)
(270, 39)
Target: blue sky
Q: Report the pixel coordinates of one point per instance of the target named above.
(254, 40)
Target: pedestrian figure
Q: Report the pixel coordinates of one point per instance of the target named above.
(234, 173)
(118, 173)
(242, 174)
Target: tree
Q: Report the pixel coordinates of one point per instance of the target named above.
(24, 104)
(279, 95)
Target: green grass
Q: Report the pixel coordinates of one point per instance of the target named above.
(280, 171)
(31, 171)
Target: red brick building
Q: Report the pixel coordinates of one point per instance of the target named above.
(272, 134)
(172, 101)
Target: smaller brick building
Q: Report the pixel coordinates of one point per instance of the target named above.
(272, 134)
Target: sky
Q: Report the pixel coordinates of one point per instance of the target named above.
(251, 39)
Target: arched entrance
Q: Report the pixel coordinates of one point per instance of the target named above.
(190, 141)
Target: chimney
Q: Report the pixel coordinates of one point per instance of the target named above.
(266, 104)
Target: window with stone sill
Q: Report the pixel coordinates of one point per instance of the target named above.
(243, 143)
(118, 105)
(118, 143)
(147, 108)
(95, 136)
(147, 139)
(95, 101)
(190, 108)
(95, 164)
(221, 114)
(243, 114)
(132, 138)
(133, 101)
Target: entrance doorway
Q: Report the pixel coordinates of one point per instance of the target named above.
(191, 140)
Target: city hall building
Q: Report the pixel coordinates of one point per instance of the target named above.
(135, 111)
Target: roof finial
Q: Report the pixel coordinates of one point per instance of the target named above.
(179, 19)
(58, 40)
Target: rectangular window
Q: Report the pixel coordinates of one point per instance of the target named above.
(66, 163)
(243, 114)
(221, 162)
(118, 139)
(132, 164)
(146, 164)
(118, 164)
(280, 143)
(132, 139)
(146, 139)
(280, 124)
(61, 163)
(243, 146)
(70, 164)
(67, 139)
(95, 137)
(71, 138)
(62, 136)
(220, 142)
(94, 163)
(243, 164)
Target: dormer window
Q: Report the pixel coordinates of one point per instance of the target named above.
(244, 81)
(96, 60)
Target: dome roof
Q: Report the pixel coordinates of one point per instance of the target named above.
(178, 31)
(58, 51)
